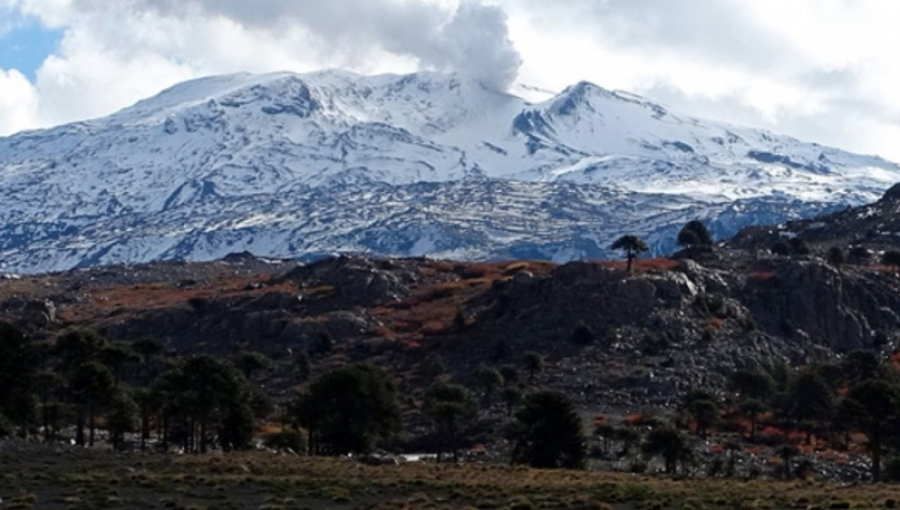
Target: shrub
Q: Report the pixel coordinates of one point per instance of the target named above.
(583, 335)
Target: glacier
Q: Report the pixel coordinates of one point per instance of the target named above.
(427, 164)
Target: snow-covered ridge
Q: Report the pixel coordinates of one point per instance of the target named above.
(270, 162)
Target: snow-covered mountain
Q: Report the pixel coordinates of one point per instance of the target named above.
(424, 164)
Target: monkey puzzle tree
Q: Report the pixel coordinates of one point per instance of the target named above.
(669, 444)
(91, 385)
(695, 233)
(632, 246)
(349, 410)
(871, 407)
(449, 406)
(18, 368)
(548, 433)
(534, 364)
(891, 259)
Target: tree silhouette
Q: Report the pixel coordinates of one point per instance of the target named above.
(835, 256)
(751, 409)
(547, 432)
(781, 249)
(583, 335)
(787, 453)
(669, 444)
(891, 259)
(703, 409)
(349, 410)
(251, 362)
(534, 364)
(872, 408)
(752, 384)
(810, 401)
(48, 385)
(695, 233)
(489, 380)
(632, 246)
(19, 360)
(449, 406)
(511, 397)
(92, 385)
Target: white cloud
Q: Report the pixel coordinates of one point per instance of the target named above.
(18, 102)
(822, 70)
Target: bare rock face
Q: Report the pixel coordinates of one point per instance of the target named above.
(354, 280)
(33, 314)
(841, 309)
(893, 194)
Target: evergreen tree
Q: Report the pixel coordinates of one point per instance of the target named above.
(349, 410)
(835, 256)
(781, 249)
(511, 398)
(695, 233)
(872, 408)
(547, 432)
(633, 246)
(891, 259)
(251, 362)
(583, 335)
(534, 364)
(19, 362)
(489, 380)
(810, 401)
(449, 406)
(91, 385)
(668, 444)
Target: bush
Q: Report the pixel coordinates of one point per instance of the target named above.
(780, 248)
(286, 440)
(583, 335)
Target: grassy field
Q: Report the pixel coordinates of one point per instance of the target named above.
(85, 480)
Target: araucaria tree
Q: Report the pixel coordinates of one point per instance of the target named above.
(668, 444)
(695, 233)
(449, 406)
(872, 408)
(548, 433)
(18, 371)
(632, 246)
(891, 259)
(349, 410)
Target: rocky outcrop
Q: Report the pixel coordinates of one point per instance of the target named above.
(843, 309)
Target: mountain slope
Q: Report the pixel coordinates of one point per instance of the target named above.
(292, 165)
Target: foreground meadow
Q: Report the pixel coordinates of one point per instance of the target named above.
(92, 479)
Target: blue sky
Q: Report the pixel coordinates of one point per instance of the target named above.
(25, 43)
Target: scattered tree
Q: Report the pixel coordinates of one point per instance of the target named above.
(18, 370)
(633, 246)
(891, 259)
(251, 362)
(583, 335)
(781, 249)
(449, 406)
(695, 233)
(787, 453)
(489, 380)
(511, 397)
(835, 256)
(872, 408)
(547, 432)
(669, 444)
(349, 410)
(534, 364)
